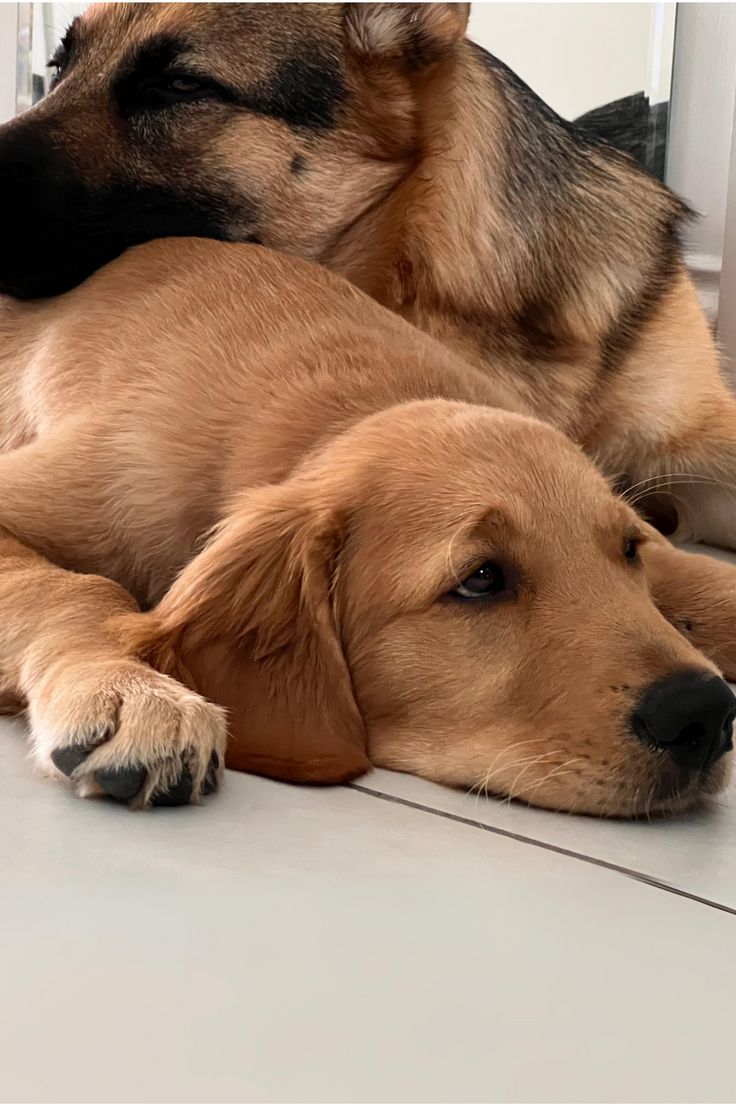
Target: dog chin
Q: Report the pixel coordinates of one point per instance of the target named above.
(676, 792)
(689, 791)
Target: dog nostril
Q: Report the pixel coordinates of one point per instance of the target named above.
(690, 716)
(691, 735)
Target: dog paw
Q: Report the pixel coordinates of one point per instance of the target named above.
(129, 733)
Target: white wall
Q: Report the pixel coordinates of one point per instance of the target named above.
(49, 23)
(580, 56)
(575, 56)
(727, 315)
(8, 40)
(701, 119)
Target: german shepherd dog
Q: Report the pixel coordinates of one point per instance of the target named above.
(378, 141)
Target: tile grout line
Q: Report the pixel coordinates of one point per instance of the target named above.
(556, 849)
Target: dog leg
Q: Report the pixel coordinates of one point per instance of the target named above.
(697, 595)
(698, 479)
(98, 716)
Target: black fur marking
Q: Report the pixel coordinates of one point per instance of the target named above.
(582, 208)
(134, 85)
(622, 335)
(298, 164)
(305, 91)
(75, 229)
(422, 50)
(632, 125)
(69, 38)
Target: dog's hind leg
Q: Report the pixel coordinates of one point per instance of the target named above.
(98, 715)
(692, 482)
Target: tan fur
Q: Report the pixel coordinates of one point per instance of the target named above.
(191, 386)
(549, 265)
(299, 479)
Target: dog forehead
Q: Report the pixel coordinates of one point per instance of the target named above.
(450, 452)
(250, 33)
(441, 471)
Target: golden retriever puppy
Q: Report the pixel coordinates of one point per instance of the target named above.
(340, 533)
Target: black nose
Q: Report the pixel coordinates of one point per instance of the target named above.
(690, 716)
(39, 208)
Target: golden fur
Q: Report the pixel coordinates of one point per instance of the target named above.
(350, 465)
(296, 480)
(379, 141)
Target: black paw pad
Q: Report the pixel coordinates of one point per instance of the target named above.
(211, 780)
(68, 758)
(180, 792)
(123, 785)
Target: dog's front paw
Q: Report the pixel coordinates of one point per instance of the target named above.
(130, 733)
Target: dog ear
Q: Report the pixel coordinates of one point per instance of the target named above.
(249, 623)
(418, 33)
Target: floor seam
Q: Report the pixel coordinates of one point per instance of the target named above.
(542, 845)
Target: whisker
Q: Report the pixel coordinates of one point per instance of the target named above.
(530, 763)
(664, 476)
(557, 772)
(467, 516)
(658, 484)
(662, 488)
(505, 751)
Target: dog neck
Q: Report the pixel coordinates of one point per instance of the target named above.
(493, 242)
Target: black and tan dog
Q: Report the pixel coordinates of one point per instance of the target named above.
(380, 142)
(377, 140)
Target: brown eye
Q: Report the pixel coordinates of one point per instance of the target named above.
(631, 548)
(184, 85)
(488, 580)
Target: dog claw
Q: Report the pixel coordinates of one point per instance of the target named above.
(122, 785)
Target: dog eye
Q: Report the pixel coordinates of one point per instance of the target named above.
(631, 548)
(488, 580)
(173, 88)
(56, 64)
(183, 85)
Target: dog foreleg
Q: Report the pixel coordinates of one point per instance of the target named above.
(98, 715)
(697, 595)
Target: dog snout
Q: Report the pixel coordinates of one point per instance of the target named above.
(38, 202)
(689, 715)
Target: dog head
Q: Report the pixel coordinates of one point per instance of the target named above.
(278, 123)
(455, 592)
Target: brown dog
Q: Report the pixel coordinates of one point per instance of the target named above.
(401, 572)
(375, 139)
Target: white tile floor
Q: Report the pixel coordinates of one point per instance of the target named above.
(394, 941)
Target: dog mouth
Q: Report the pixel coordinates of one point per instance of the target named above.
(668, 791)
(689, 790)
(64, 247)
(57, 228)
(673, 791)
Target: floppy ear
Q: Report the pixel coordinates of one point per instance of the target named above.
(249, 623)
(418, 33)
